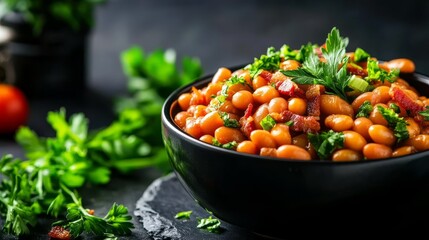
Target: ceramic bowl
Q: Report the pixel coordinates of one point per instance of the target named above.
(282, 197)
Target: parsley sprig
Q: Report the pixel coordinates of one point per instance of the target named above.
(326, 143)
(398, 124)
(331, 73)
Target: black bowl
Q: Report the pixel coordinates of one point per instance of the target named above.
(287, 197)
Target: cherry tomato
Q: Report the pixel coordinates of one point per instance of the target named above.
(13, 109)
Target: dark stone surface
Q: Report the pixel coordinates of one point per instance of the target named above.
(163, 199)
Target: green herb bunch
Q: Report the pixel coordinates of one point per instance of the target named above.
(77, 14)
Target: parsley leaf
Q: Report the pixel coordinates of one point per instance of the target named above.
(229, 145)
(269, 62)
(365, 109)
(267, 123)
(360, 55)
(328, 73)
(378, 74)
(229, 122)
(210, 224)
(425, 113)
(183, 215)
(398, 124)
(326, 143)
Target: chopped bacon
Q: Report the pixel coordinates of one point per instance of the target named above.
(301, 123)
(266, 75)
(60, 233)
(249, 111)
(278, 77)
(247, 125)
(313, 100)
(356, 70)
(405, 101)
(288, 88)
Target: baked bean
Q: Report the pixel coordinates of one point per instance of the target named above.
(197, 98)
(180, 118)
(380, 95)
(247, 147)
(300, 140)
(281, 134)
(262, 138)
(339, 122)
(293, 152)
(221, 75)
(297, 106)
(277, 77)
(259, 114)
(290, 65)
(234, 88)
(354, 141)
(228, 107)
(212, 91)
(244, 74)
(346, 155)
(361, 126)
(381, 134)
(403, 64)
(376, 151)
(264, 94)
(278, 105)
(210, 122)
(332, 104)
(258, 82)
(376, 117)
(184, 101)
(225, 135)
(420, 142)
(242, 99)
(207, 138)
(367, 96)
(193, 127)
(268, 152)
(413, 127)
(402, 151)
(200, 111)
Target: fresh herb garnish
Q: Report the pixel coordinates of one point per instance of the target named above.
(365, 109)
(229, 145)
(232, 81)
(79, 220)
(229, 122)
(395, 107)
(326, 143)
(398, 124)
(269, 62)
(332, 73)
(425, 113)
(360, 55)
(183, 215)
(378, 74)
(267, 123)
(210, 224)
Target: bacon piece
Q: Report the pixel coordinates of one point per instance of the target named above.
(300, 123)
(405, 101)
(59, 232)
(266, 75)
(249, 111)
(288, 88)
(247, 125)
(313, 100)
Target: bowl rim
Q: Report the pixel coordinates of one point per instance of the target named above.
(168, 121)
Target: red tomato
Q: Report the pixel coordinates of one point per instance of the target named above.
(13, 108)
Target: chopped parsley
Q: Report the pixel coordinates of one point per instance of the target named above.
(269, 62)
(267, 123)
(326, 143)
(425, 113)
(210, 224)
(229, 145)
(398, 124)
(377, 73)
(328, 73)
(365, 109)
(229, 122)
(183, 215)
(360, 55)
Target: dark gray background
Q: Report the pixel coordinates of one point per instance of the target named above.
(228, 33)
